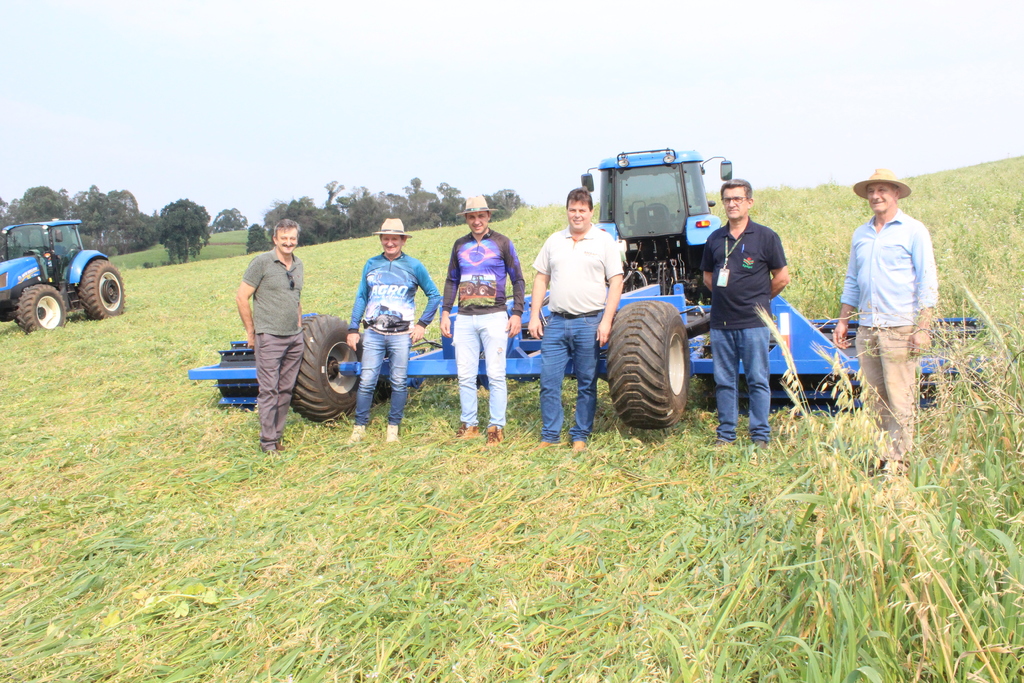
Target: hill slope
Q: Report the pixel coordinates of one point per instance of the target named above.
(144, 537)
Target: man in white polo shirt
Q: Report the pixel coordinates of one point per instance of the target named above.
(582, 267)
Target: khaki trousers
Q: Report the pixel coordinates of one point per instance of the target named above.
(890, 369)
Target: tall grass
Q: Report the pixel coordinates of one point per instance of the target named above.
(144, 537)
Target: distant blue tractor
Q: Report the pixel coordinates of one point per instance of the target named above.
(45, 273)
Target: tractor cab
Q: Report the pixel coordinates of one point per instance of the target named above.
(655, 204)
(52, 245)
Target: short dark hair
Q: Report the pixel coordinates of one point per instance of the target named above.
(285, 224)
(737, 182)
(580, 194)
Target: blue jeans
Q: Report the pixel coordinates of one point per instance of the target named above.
(375, 347)
(566, 340)
(470, 333)
(728, 348)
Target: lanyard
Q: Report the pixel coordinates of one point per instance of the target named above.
(725, 263)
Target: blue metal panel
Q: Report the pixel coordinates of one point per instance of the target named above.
(79, 263)
(653, 158)
(699, 236)
(18, 270)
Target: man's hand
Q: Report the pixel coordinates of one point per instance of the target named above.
(353, 340)
(604, 330)
(446, 324)
(417, 333)
(250, 339)
(514, 325)
(839, 334)
(536, 327)
(920, 341)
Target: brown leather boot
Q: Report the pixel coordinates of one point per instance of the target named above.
(495, 435)
(467, 432)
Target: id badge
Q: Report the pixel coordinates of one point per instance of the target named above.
(723, 277)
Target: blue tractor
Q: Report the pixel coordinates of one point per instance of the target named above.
(46, 273)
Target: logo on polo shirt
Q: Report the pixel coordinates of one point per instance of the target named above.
(748, 263)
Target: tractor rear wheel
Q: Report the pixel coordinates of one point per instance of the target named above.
(321, 392)
(649, 365)
(101, 290)
(40, 307)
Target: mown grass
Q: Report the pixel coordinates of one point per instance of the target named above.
(143, 536)
(222, 245)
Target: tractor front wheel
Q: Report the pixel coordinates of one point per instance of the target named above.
(40, 308)
(101, 290)
(321, 392)
(649, 365)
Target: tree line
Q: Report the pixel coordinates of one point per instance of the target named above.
(113, 223)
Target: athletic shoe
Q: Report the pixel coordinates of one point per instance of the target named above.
(495, 435)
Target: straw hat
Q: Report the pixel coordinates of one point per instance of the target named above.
(393, 226)
(882, 175)
(474, 204)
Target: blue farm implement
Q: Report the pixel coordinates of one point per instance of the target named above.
(654, 203)
(46, 273)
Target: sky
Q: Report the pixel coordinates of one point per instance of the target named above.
(240, 104)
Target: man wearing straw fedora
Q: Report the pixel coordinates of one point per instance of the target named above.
(891, 282)
(482, 267)
(386, 305)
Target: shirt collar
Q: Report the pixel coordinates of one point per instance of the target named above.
(589, 234)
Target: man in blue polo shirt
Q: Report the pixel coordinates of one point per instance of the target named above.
(744, 267)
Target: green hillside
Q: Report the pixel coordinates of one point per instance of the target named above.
(144, 536)
(222, 245)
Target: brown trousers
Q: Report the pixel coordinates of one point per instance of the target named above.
(277, 367)
(890, 369)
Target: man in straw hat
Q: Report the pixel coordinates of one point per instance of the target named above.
(483, 265)
(386, 304)
(891, 281)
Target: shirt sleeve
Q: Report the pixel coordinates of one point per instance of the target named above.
(851, 288)
(778, 259)
(451, 282)
(514, 272)
(923, 258)
(707, 259)
(612, 258)
(359, 307)
(542, 263)
(253, 274)
(433, 295)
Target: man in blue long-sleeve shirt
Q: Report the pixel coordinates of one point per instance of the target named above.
(891, 281)
(386, 305)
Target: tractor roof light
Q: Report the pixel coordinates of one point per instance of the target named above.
(670, 156)
(622, 160)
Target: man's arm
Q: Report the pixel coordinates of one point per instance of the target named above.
(514, 273)
(707, 279)
(245, 292)
(921, 338)
(604, 329)
(540, 286)
(451, 287)
(780, 278)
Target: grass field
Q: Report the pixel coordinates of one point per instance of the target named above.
(222, 245)
(144, 537)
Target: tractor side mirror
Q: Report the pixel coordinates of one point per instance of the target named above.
(587, 181)
(58, 235)
(726, 170)
(712, 202)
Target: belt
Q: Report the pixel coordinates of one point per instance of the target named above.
(573, 316)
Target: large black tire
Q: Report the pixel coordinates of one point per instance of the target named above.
(649, 365)
(40, 307)
(101, 290)
(321, 394)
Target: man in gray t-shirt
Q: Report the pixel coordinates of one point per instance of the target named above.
(273, 328)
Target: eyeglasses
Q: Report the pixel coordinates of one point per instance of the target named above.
(734, 200)
(291, 281)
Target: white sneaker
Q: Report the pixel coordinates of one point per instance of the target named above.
(392, 434)
(358, 434)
